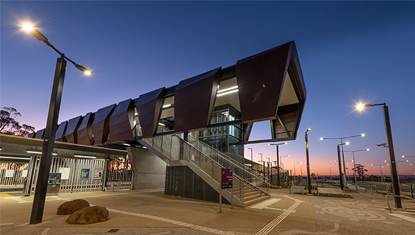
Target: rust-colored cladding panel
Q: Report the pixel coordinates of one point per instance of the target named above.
(260, 79)
(194, 100)
(60, 133)
(100, 126)
(72, 129)
(149, 109)
(121, 122)
(85, 130)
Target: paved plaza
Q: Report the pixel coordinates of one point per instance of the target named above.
(151, 212)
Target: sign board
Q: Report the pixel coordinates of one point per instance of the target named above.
(54, 178)
(98, 173)
(226, 178)
(84, 174)
(65, 172)
(9, 173)
(24, 173)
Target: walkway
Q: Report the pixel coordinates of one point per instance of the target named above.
(152, 213)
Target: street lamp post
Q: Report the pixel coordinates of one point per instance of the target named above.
(252, 159)
(330, 173)
(294, 171)
(354, 164)
(341, 142)
(388, 130)
(263, 166)
(380, 167)
(308, 161)
(340, 165)
(51, 126)
(269, 173)
(278, 161)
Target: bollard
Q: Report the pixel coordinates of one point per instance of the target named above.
(401, 187)
(388, 187)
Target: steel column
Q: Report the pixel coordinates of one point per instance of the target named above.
(48, 142)
(340, 167)
(394, 173)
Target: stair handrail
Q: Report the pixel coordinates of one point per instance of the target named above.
(205, 156)
(227, 158)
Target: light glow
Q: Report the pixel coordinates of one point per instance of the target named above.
(363, 135)
(228, 89)
(18, 158)
(321, 138)
(87, 72)
(228, 92)
(83, 156)
(347, 143)
(166, 106)
(27, 27)
(360, 106)
(37, 152)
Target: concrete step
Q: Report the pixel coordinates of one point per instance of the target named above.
(256, 199)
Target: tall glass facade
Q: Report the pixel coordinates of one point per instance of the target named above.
(226, 139)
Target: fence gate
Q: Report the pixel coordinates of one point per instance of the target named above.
(119, 174)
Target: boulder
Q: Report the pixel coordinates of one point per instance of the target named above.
(88, 215)
(71, 206)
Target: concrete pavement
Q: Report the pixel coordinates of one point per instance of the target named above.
(151, 212)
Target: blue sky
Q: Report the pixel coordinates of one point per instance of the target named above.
(349, 52)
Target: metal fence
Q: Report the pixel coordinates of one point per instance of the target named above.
(13, 174)
(77, 175)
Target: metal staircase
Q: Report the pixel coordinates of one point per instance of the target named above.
(207, 163)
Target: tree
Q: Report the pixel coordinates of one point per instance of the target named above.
(360, 169)
(8, 124)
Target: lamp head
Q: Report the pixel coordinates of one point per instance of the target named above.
(367, 149)
(32, 30)
(363, 135)
(347, 143)
(403, 155)
(83, 69)
(381, 145)
(321, 138)
(285, 143)
(360, 106)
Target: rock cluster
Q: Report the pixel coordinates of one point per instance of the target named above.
(82, 213)
(88, 215)
(71, 206)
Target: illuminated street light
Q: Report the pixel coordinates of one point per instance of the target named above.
(347, 143)
(354, 163)
(39, 36)
(51, 125)
(389, 143)
(278, 161)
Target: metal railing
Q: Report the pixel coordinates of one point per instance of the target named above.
(210, 162)
(175, 149)
(238, 168)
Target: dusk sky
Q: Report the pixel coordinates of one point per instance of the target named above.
(349, 52)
